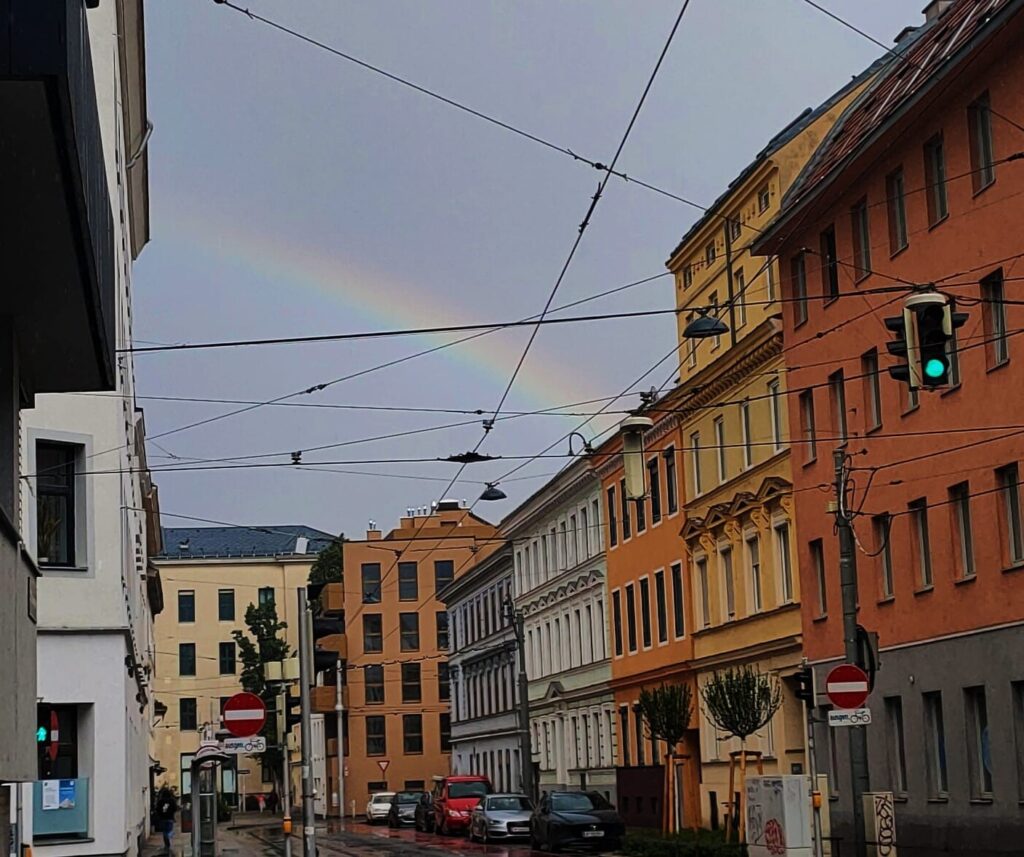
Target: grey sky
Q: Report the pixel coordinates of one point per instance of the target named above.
(294, 193)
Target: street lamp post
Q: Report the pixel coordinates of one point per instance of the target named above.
(525, 748)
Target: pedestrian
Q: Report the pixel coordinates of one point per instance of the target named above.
(273, 800)
(166, 807)
(261, 802)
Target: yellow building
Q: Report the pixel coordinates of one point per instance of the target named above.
(210, 576)
(738, 510)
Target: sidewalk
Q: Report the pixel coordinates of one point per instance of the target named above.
(232, 841)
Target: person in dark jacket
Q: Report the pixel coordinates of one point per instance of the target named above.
(166, 808)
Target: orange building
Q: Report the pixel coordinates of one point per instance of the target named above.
(649, 617)
(398, 720)
(917, 185)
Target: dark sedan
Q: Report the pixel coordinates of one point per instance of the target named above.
(576, 818)
(403, 808)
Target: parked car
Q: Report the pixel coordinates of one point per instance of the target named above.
(501, 816)
(455, 798)
(379, 806)
(403, 808)
(424, 817)
(575, 818)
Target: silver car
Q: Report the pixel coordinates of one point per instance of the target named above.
(503, 816)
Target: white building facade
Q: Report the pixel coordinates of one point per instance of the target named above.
(483, 670)
(90, 518)
(560, 584)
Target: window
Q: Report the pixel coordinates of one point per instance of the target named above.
(1017, 692)
(187, 720)
(662, 606)
(627, 524)
(754, 558)
(764, 198)
(713, 299)
(785, 562)
(861, 239)
(748, 448)
(584, 534)
(226, 658)
(798, 277)
(1009, 482)
(371, 582)
(409, 629)
(412, 733)
(645, 612)
(186, 658)
(994, 317)
(935, 737)
(679, 618)
(960, 508)
(897, 745)
(739, 286)
(769, 281)
(186, 605)
(725, 556)
(719, 427)
(818, 561)
(837, 393)
(617, 620)
(687, 276)
(445, 731)
(575, 554)
(411, 690)
(641, 515)
(624, 734)
(691, 348)
(979, 752)
(373, 684)
(654, 482)
(979, 122)
(953, 351)
(807, 428)
(441, 620)
(265, 595)
(882, 525)
(226, 605)
(919, 522)
(55, 504)
(638, 723)
(671, 488)
(408, 583)
(695, 462)
(872, 390)
(373, 633)
(935, 178)
(829, 264)
(613, 523)
(896, 207)
(710, 254)
(776, 403)
(444, 686)
(631, 617)
(444, 573)
(735, 227)
(705, 594)
(376, 736)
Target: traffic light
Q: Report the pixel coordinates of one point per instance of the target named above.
(326, 659)
(805, 685)
(924, 337)
(292, 712)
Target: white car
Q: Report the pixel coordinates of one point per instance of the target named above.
(379, 806)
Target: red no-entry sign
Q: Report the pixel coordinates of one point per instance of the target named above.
(847, 686)
(244, 714)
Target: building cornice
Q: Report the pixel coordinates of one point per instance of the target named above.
(569, 583)
(559, 491)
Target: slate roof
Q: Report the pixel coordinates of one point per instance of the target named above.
(241, 542)
(922, 60)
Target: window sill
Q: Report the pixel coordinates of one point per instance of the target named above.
(980, 801)
(821, 618)
(898, 251)
(829, 300)
(888, 599)
(910, 410)
(925, 590)
(997, 366)
(984, 187)
(941, 799)
(902, 797)
(938, 222)
(1017, 566)
(969, 578)
(951, 389)
(810, 461)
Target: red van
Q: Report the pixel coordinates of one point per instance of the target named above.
(454, 800)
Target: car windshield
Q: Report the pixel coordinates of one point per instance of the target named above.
(382, 798)
(508, 803)
(578, 802)
(407, 797)
(476, 789)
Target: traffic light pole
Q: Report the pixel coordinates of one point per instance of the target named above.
(848, 582)
(305, 678)
(339, 710)
(286, 782)
(526, 783)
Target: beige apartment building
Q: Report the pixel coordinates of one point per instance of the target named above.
(210, 576)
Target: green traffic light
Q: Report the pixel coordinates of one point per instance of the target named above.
(934, 368)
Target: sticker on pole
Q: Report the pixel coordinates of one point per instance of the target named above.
(244, 714)
(849, 717)
(238, 746)
(847, 686)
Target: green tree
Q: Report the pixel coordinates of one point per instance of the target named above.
(263, 643)
(330, 563)
(666, 714)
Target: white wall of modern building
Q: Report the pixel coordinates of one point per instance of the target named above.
(88, 533)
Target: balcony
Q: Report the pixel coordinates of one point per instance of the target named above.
(56, 208)
(322, 699)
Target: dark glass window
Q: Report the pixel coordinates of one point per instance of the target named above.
(798, 276)
(266, 595)
(613, 522)
(226, 605)
(442, 630)
(935, 176)
(979, 117)
(409, 627)
(662, 605)
(186, 605)
(187, 721)
(444, 573)
(186, 658)
(226, 658)
(829, 264)
(444, 690)
(627, 529)
(679, 618)
(55, 503)
(445, 730)
(373, 633)
(411, 689)
(412, 733)
(631, 617)
(861, 239)
(897, 209)
(654, 478)
(371, 582)
(645, 611)
(373, 682)
(376, 736)
(671, 488)
(617, 620)
(408, 582)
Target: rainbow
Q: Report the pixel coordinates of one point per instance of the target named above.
(374, 301)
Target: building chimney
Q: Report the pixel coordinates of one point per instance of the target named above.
(374, 535)
(936, 9)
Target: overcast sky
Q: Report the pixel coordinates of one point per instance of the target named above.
(294, 193)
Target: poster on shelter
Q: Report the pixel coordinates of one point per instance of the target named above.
(66, 795)
(51, 794)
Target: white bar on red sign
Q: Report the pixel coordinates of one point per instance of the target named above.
(251, 714)
(847, 686)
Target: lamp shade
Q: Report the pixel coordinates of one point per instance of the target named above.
(704, 327)
(493, 492)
